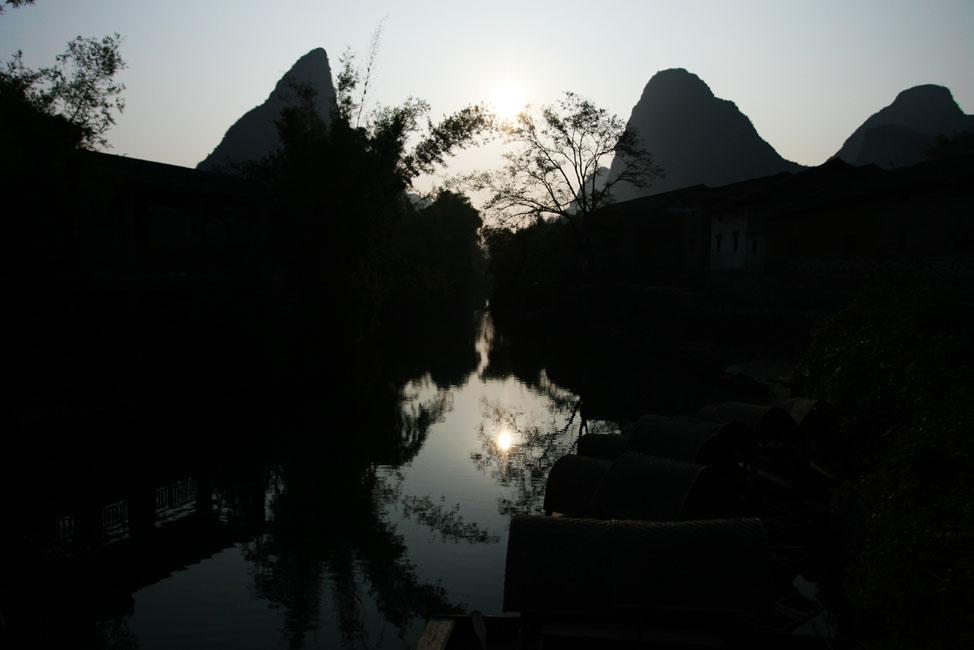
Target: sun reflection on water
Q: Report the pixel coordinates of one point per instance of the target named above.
(504, 441)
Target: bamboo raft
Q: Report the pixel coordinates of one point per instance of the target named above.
(687, 532)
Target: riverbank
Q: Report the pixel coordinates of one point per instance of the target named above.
(895, 363)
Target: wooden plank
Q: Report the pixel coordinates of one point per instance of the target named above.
(436, 635)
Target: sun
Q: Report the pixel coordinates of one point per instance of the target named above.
(508, 98)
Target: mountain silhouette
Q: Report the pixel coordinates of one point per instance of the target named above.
(696, 137)
(898, 135)
(254, 135)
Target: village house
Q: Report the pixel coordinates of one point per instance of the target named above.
(830, 219)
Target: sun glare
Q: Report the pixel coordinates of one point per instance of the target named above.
(504, 441)
(508, 99)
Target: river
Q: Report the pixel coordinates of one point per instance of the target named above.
(343, 537)
(434, 531)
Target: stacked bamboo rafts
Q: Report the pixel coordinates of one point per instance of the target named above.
(702, 523)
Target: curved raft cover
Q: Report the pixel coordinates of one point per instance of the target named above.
(769, 424)
(638, 486)
(572, 483)
(816, 420)
(566, 565)
(689, 440)
(608, 446)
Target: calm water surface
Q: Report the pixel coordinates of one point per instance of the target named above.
(358, 555)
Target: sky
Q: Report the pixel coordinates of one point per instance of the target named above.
(806, 73)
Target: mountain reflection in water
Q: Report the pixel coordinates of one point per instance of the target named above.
(346, 527)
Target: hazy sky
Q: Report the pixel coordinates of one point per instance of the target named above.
(806, 73)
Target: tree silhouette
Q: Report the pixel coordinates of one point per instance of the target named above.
(557, 170)
(14, 4)
(942, 146)
(340, 242)
(386, 129)
(80, 87)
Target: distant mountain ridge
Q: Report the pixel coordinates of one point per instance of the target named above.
(899, 134)
(696, 137)
(254, 135)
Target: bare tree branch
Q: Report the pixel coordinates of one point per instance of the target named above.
(558, 169)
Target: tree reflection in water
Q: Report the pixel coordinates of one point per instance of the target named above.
(518, 452)
(448, 522)
(306, 493)
(326, 523)
(417, 414)
(326, 503)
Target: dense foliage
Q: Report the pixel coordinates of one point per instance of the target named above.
(533, 270)
(331, 255)
(14, 4)
(81, 87)
(960, 144)
(898, 364)
(352, 254)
